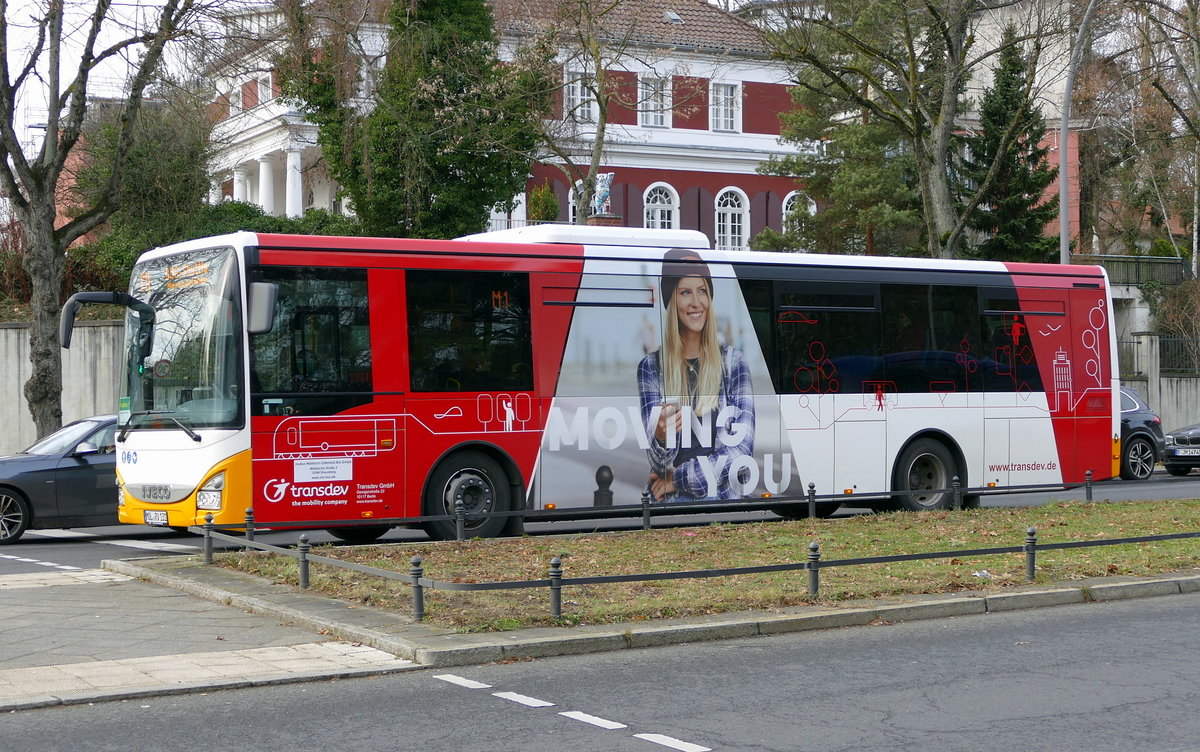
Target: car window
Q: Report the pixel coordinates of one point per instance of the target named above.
(1128, 403)
(64, 439)
(105, 438)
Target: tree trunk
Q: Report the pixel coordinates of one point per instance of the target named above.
(46, 266)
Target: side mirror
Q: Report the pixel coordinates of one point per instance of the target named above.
(84, 448)
(260, 315)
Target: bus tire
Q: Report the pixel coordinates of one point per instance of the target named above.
(483, 486)
(825, 509)
(15, 516)
(923, 474)
(358, 533)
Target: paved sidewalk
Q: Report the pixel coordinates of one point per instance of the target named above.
(181, 627)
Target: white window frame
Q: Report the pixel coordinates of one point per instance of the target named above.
(265, 93)
(732, 222)
(666, 216)
(579, 104)
(724, 110)
(654, 102)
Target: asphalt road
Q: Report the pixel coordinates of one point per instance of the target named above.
(1095, 677)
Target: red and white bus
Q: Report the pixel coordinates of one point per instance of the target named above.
(356, 382)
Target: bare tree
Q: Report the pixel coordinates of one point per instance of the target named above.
(589, 54)
(67, 46)
(909, 62)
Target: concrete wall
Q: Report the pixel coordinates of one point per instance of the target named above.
(89, 378)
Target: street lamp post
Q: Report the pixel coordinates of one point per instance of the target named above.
(1064, 203)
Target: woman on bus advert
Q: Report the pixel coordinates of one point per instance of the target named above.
(696, 397)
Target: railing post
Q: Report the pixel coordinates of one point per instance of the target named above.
(645, 510)
(556, 574)
(460, 520)
(812, 501)
(418, 592)
(1031, 554)
(303, 547)
(249, 525)
(1087, 485)
(814, 569)
(956, 484)
(208, 544)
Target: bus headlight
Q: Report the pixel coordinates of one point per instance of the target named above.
(209, 496)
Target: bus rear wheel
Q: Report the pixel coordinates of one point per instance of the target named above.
(923, 474)
(483, 486)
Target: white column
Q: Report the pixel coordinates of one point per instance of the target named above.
(266, 185)
(239, 183)
(293, 186)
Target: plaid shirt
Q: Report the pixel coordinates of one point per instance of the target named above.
(736, 391)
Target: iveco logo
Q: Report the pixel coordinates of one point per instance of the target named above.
(275, 489)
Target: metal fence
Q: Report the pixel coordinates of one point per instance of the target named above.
(556, 579)
(1178, 356)
(1138, 270)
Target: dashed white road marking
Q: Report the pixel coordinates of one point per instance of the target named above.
(673, 743)
(468, 683)
(575, 715)
(603, 723)
(531, 702)
(52, 565)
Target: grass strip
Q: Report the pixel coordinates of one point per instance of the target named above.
(724, 545)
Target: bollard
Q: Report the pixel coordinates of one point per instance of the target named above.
(460, 520)
(303, 547)
(646, 510)
(814, 569)
(415, 574)
(1031, 554)
(249, 525)
(1087, 485)
(812, 501)
(556, 574)
(603, 495)
(956, 484)
(208, 527)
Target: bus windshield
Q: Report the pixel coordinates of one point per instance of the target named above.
(192, 377)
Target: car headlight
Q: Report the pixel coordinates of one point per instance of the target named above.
(1170, 439)
(120, 496)
(210, 494)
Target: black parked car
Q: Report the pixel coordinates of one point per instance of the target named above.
(1142, 442)
(67, 479)
(1183, 450)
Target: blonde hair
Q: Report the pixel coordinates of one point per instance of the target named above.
(674, 364)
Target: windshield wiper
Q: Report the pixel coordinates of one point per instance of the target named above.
(168, 414)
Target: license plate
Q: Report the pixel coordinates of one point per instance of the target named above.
(1195, 452)
(155, 517)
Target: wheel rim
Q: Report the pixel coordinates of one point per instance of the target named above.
(927, 479)
(476, 492)
(12, 516)
(1141, 459)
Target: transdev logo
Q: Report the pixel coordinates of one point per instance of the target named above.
(274, 490)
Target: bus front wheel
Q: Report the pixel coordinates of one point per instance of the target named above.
(483, 487)
(924, 472)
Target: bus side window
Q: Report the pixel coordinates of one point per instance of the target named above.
(469, 331)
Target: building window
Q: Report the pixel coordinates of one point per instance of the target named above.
(580, 104)
(661, 208)
(731, 220)
(654, 102)
(723, 111)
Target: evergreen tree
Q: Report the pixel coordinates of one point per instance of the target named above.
(1012, 216)
(422, 159)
